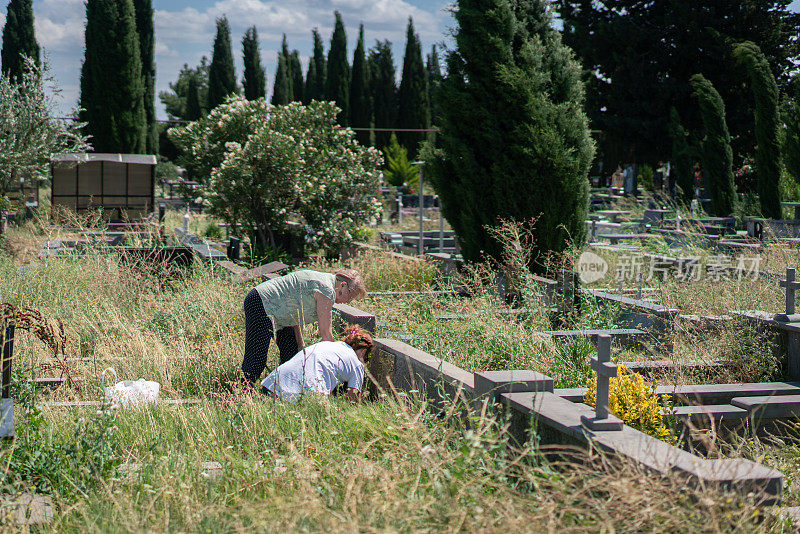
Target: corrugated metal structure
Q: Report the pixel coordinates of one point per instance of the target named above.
(123, 185)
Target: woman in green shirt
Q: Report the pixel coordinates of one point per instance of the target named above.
(281, 306)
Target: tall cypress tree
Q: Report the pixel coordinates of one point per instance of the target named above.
(19, 38)
(791, 118)
(311, 80)
(254, 82)
(434, 73)
(112, 89)
(144, 27)
(193, 108)
(383, 90)
(717, 156)
(514, 139)
(337, 82)
(288, 66)
(315, 89)
(360, 109)
(681, 156)
(221, 73)
(296, 70)
(281, 94)
(412, 98)
(765, 94)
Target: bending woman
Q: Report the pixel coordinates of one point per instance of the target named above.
(320, 367)
(279, 307)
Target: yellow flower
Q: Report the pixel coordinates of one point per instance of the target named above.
(634, 401)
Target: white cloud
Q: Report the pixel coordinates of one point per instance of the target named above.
(63, 34)
(59, 23)
(296, 19)
(186, 25)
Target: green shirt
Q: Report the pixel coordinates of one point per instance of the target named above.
(289, 300)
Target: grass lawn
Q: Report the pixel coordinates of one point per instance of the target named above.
(385, 465)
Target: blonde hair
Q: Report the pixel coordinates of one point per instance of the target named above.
(355, 284)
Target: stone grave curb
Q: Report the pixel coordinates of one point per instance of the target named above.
(558, 421)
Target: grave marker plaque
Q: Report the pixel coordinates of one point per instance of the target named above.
(6, 403)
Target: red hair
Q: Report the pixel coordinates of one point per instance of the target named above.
(358, 338)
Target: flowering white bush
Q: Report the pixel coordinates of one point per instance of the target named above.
(263, 164)
(30, 131)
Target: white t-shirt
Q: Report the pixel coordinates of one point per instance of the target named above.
(319, 368)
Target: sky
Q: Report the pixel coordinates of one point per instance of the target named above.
(185, 32)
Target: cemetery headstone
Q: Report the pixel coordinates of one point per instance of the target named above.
(234, 248)
(630, 180)
(605, 369)
(789, 316)
(6, 403)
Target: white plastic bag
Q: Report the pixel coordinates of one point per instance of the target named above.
(130, 392)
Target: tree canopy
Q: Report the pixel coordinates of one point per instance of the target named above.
(175, 99)
(717, 157)
(144, 28)
(19, 38)
(360, 105)
(254, 82)
(112, 87)
(412, 97)
(638, 57)
(767, 127)
(383, 90)
(264, 163)
(514, 139)
(221, 73)
(337, 78)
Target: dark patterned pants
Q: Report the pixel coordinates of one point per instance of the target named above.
(258, 332)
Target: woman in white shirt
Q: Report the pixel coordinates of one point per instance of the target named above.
(323, 366)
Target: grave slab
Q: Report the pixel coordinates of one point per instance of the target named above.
(714, 412)
(27, 509)
(6, 418)
(414, 369)
(199, 246)
(614, 239)
(738, 474)
(648, 367)
(557, 414)
(268, 270)
(571, 394)
(232, 267)
(627, 337)
(705, 394)
(770, 407)
(351, 315)
(493, 383)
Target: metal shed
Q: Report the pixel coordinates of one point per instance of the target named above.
(123, 185)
